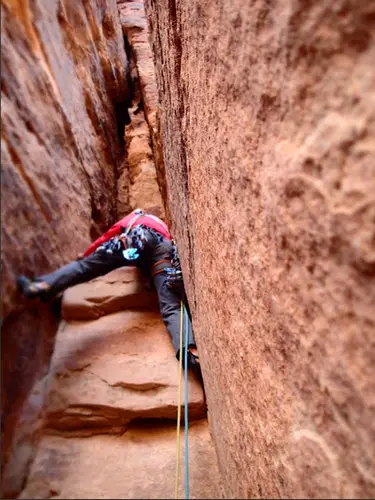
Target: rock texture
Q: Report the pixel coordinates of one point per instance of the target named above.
(101, 422)
(137, 173)
(267, 113)
(63, 82)
(111, 370)
(137, 464)
(111, 406)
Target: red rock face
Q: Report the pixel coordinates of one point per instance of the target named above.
(267, 112)
(63, 78)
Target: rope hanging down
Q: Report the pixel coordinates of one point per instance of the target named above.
(182, 312)
(186, 407)
(179, 406)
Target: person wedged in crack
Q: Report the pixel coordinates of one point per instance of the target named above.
(138, 239)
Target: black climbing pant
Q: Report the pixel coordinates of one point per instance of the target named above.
(80, 271)
(100, 263)
(170, 309)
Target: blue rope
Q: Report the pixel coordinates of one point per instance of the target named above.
(186, 406)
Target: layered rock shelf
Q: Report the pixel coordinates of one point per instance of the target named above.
(111, 402)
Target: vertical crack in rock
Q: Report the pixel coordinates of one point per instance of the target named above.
(138, 182)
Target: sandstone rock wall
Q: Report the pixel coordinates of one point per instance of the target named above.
(101, 422)
(111, 402)
(63, 85)
(268, 126)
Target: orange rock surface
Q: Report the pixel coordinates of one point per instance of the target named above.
(63, 86)
(267, 113)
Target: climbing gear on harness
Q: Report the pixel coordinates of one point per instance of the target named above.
(174, 280)
(175, 256)
(33, 289)
(174, 273)
(136, 238)
(155, 233)
(112, 246)
(136, 217)
(160, 266)
(130, 254)
(129, 242)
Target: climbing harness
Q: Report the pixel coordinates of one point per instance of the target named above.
(133, 238)
(183, 312)
(136, 237)
(174, 273)
(116, 245)
(123, 237)
(111, 246)
(160, 266)
(119, 244)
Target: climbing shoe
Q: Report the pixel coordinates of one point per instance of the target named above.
(194, 365)
(193, 359)
(33, 289)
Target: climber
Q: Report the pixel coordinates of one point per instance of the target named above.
(138, 239)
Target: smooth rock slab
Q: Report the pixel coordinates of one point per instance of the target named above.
(139, 464)
(110, 371)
